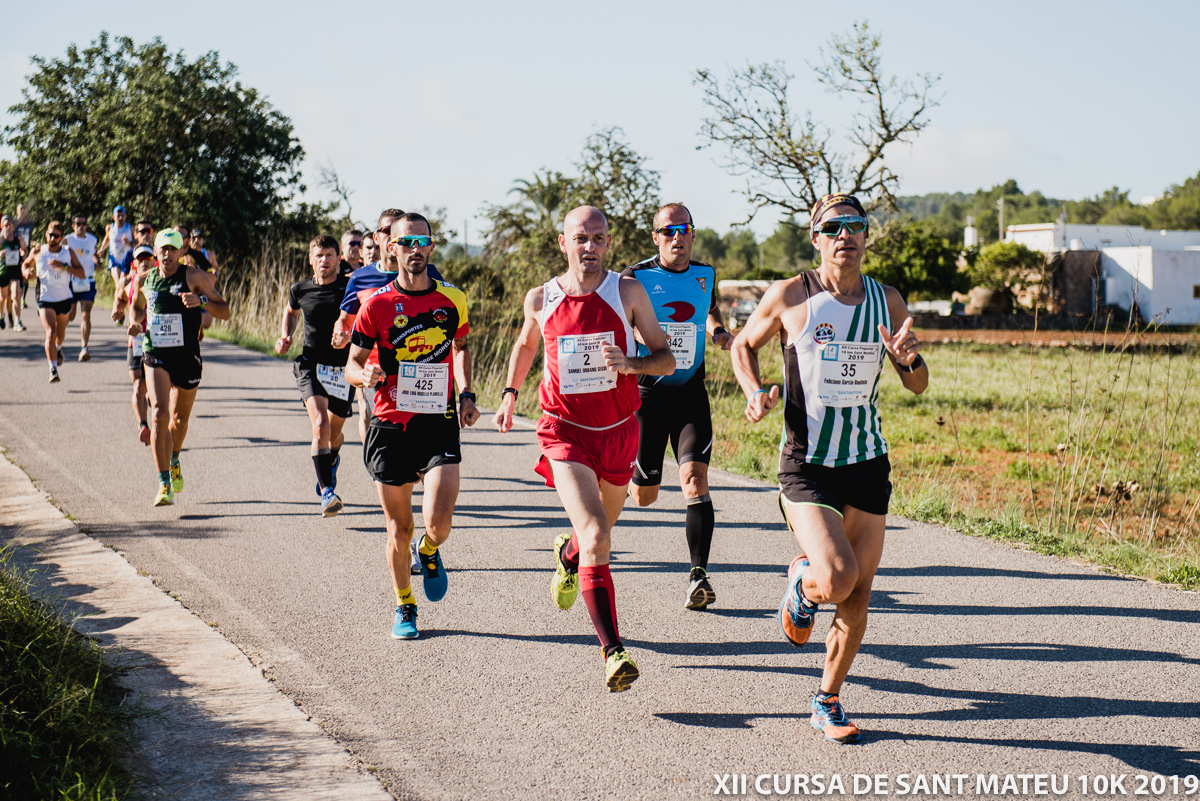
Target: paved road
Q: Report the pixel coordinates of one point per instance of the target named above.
(981, 659)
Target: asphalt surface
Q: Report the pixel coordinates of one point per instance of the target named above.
(980, 659)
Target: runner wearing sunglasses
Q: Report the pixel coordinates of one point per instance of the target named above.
(586, 319)
(419, 327)
(835, 326)
(675, 407)
(352, 258)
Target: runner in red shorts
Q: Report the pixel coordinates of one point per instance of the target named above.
(586, 319)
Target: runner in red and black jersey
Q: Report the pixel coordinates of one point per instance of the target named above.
(586, 320)
(419, 326)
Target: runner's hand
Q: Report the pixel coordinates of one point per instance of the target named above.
(615, 359)
(723, 340)
(340, 338)
(762, 402)
(503, 418)
(283, 345)
(904, 346)
(467, 413)
(134, 329)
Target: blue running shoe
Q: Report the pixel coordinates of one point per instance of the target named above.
(796, 614)
(330, 503)
(433, 582)
(405, 625)
(829, 719)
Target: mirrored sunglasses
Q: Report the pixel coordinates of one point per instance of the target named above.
(834, 225)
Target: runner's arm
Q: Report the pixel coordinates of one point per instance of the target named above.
(357, 372)
(287, 326)
(342, 329)
(75, 268)
(467, 413)
(765, 324)
(660, 360)
(524, 351)
(715, 324)
(200, 283)
(103, 242)
(903, 347)
(29, 266)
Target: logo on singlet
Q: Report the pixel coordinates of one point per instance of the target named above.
(440, 316)
(823, 333)
(400, 321)
(681, 311)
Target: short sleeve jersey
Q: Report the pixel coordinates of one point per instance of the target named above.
(414, 333)
(682, 301)
(54, 283)
(319, 303)
(576, 386)
(365, 282)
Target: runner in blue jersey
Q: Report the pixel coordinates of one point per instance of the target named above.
(675, 407)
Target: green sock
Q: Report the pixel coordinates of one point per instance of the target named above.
(174, 457)
(405, 596)
(164, 477)
(426, 549)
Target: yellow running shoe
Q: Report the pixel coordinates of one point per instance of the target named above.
(176, 478)
(564, 587)
(164, 497)
(620, 671)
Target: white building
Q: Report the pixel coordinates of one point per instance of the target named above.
(1159, 271)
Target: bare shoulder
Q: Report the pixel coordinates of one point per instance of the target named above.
(535, 299)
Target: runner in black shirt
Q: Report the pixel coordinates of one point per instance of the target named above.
(320, 368)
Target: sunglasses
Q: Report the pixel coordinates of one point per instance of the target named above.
(672, 230)
(354, 243)
(834, 225)
(145, 230)
(412, 241)
(54, 236)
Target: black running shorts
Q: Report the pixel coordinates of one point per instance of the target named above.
(184, 367)
(305, 372)
(397, 455)
(680, 415)
(864, 485)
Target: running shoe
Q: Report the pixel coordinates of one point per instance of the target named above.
(433, 581)
(415, 567)
(2, 326)
(20, 326)
(164, 497)
(330, 503)
(404, 627)
(564, 587)
(796, 614)
(176, 478)
(54, 379)
(620, 671)
(144, 434)
(60, 356)
(84, 355)
(829, 719)
(700, 592)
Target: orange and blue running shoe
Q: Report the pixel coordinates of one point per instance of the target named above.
(796, 613)
(829, 719)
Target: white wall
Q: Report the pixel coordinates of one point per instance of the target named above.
(1176, 275)
(1048, 237)
(1131, 277)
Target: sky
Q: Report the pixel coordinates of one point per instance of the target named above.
(448, 104)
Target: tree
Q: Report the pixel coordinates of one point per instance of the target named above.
(1178, 208)
(1009, 268)
(171, 139)
(915, 259)
(791, 163)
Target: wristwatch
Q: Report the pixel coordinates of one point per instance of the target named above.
(507, 391)
(916, 364)
(467, 396)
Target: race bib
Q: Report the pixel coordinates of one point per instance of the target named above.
(12, 258)
(80, 284)
(682, 339)
(139, 345)
(581, 367)
(166, 330)
(333, 379)
(422, 388)
(847, 374)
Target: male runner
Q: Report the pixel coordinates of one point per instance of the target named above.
(53, 265)
(586, 318)
(675, 407)
(835, 326)
(352, 244)
(128, 294)
(419, 326)
(118, 240)
(12, 252)
(196, 242)
(175, 295)
(83, 290)
(25, 226)
(370, 249)
(143, 233)
(320, 369)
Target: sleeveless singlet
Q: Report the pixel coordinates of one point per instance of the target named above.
(120, 242)
(681, 301)
(54, 283)
(831, 379)
(170, 326)
(576, 386)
